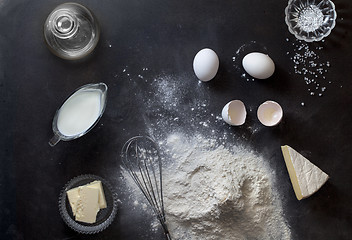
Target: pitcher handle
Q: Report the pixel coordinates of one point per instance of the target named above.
(54, 140)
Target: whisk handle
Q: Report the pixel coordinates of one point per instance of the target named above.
(166, 230)
(168, 237)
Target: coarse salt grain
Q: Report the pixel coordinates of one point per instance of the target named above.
(307, 62)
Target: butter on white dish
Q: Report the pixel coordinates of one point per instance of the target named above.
(306, 178)
(86, 201)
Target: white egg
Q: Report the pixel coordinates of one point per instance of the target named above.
(234, 113)
(206, 64)
(270, 113)
(258, 65)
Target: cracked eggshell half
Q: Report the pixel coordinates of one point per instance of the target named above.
(270, 113)
(206, 64)
(234, 113)
(258, 65)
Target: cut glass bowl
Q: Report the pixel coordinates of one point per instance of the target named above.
(310, 20)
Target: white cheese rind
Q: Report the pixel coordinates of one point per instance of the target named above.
(306, 178)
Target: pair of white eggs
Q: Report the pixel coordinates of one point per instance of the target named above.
(269, 113)
(206, 65)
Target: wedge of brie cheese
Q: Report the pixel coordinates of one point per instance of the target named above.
(306, 178)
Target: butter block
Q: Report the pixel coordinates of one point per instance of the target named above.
(73, 196)
(306, 178)
(87, 205)
(84, 204)
(97, 185)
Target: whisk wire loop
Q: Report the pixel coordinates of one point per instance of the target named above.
(140, 157)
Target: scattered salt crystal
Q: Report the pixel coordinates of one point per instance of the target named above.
(307, 62)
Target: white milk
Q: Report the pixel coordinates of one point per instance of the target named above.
(79, 112)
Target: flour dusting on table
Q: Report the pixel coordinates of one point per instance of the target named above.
(213, 186)
(215, 192)
(212, 192)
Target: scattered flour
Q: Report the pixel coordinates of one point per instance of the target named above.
(126, 73)
(214, 192)
(212, 189)
(211, 192)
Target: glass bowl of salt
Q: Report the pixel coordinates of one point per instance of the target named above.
(310, 20)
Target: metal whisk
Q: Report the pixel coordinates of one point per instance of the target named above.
(140, 156)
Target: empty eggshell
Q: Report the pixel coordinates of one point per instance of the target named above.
(206, 64)
(234, 113)
(270, 113)
(258, 65)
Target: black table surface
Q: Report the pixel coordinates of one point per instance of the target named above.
(163, 37)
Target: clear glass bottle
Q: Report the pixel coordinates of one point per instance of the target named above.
(71, 31)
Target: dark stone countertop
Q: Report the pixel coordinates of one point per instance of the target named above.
(141, 42)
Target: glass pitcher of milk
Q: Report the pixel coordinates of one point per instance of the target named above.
(79, 113)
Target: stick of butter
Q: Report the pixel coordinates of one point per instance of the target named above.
(306, 178)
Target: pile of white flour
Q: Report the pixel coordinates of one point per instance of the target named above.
(213, 192)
